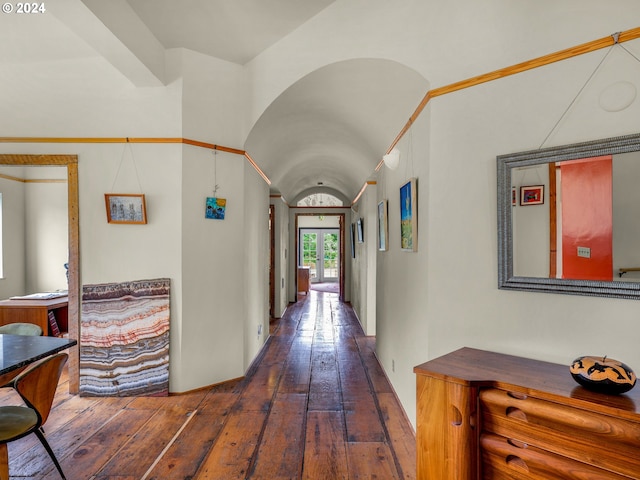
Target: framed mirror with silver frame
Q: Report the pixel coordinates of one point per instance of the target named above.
(512, 169)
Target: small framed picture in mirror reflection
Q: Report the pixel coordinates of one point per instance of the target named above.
(532, 195)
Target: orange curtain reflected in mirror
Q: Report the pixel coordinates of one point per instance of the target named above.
(587, 219)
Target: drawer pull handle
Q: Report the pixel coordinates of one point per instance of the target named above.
(517, 443)
(517, 463)
(513, 412)
(456, 417)
(517, 396)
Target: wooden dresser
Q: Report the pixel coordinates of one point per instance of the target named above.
(303, 279)
(485, 415)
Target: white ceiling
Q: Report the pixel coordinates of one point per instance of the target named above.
(236, 30)
(332, 126)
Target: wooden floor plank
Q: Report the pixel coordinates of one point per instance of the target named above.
(400, 433)
(152, 439)
(362, 420)
(371, 460)
(325, 454)
(258, 393)
(218, 403)
(315, 404)
(375, 372)
(101, 447)
(232, 454)
(281, 452)
(62, 438)
(184, 457)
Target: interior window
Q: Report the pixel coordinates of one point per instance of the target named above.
(320, 200)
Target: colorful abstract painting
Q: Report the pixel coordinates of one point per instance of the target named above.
(409, 216)
(124, 339)
(216, 208)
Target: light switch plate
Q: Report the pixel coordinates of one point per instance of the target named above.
(584, 252)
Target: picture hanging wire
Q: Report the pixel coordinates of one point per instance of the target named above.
(582, 89)
(522, 173)
(129, 148)
(215, 173)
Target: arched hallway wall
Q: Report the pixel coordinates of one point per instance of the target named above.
(445, 296)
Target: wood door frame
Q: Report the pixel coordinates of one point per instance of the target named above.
(320, 251)
(272, 260)
(71, 163)
(341, 221)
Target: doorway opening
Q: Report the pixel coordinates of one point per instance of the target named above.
(320, 248)
(71, 164)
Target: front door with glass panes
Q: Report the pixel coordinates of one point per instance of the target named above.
(319, 250)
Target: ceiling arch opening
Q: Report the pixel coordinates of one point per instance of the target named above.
(334, 125)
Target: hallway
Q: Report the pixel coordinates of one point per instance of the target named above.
(316, 405)
(343, 419)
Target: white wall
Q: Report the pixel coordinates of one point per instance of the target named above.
(282, 254)
(315, 221)
(428, 303)
(626, 221)
(47, 236)
(403, 288)
(35, 221)
(531, 225)
(450, 297)
(212, 257)
(256, 263)
(209, 311)
(212, 99)
(13, 238)
(119, 253)
(363, 278)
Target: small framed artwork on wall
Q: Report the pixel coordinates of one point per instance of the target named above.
(360, 231)
(352, 231)
(383, 226)
(409, 216)
(215, 208)
(126, 208)
(532, 195)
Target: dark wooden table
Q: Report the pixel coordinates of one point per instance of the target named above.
(18, 351)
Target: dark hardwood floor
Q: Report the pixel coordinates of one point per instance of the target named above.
(315, 405)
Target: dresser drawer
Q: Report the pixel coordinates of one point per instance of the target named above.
(591, 438)
(505, 459)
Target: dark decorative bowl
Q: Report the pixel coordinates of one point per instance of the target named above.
(602, 374)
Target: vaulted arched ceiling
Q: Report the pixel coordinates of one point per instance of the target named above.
(334, 125)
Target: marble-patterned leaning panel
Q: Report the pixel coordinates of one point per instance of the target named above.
(124, 338)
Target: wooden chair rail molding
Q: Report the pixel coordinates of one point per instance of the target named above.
(566, 54)
(185, 141)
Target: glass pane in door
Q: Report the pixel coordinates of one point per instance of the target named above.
(330, 255)
(310, 253)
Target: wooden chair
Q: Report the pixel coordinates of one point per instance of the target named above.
(21, 329)
(37, 387)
